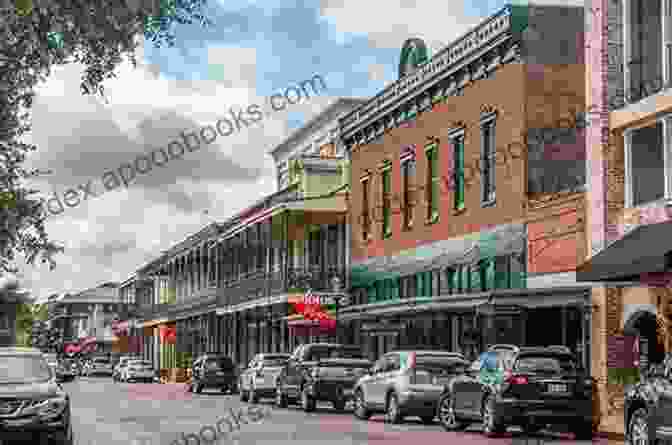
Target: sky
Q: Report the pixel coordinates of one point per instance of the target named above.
(252, 50)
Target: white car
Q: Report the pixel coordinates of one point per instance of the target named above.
(100, 365)
(138, 371)
(259, 378)
(123, 361)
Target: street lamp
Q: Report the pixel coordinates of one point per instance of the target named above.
(339, 298)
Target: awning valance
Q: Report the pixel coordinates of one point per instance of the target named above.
(502, 240)
(644, 251)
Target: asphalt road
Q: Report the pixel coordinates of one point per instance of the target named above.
(107, 413)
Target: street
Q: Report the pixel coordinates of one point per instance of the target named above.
(107, 413)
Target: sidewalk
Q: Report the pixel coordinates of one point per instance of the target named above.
(612, 428)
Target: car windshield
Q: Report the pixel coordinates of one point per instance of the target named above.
(335, 352)
(23, 369)
(545, 364)
(273, 360)
(140, 365)
(436, 364)
(219, 363)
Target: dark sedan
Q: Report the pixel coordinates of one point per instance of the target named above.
(33, 407)
(531, 388)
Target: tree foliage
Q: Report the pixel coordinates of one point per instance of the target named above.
(36, 36)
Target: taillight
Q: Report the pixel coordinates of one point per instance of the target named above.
(513, 379)
(411, 360)
(411, 366)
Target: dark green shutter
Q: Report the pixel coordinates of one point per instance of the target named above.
(435, 184)
(458, 168)
(476, 271)
(489, 274)
(387, 229)
(428, 284)
(466, 275)
(457, 280)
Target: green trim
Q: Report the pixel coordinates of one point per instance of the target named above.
(431, 146)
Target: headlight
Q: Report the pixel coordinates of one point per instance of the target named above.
(47, 408)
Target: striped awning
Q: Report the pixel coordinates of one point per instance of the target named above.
(499, 241)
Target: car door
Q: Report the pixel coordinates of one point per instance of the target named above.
(292, 373)
(372, 383)
(246, 375)
(467, 390)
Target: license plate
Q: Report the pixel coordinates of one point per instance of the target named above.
(219, 373)
(557, 388)
(347, 392)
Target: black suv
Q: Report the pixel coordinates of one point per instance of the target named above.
(214, 371)
(320, 371)
(529, 387)
(33, 407)
(648, 407)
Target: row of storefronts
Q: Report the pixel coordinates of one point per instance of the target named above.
(379, 237)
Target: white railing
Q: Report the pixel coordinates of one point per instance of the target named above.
(450, 56)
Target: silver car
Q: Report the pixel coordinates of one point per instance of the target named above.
(406, 383)
(259, 378)
(138, 371)
(100, 366)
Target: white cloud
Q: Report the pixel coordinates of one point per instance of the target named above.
(80, 137)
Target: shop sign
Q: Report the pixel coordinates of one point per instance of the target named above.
(621, 351)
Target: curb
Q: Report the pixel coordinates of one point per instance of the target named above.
(611, 435)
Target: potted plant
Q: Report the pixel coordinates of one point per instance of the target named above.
(183, 363)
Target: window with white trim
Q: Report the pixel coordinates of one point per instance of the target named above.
(647, 49)
(647, 163)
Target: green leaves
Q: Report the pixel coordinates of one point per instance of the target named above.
(100, 35)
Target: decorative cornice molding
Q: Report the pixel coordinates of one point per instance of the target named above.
(456, 57)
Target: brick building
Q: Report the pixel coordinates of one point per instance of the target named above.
(467, 220)
(628, 141)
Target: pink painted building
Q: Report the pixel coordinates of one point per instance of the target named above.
(629, 160)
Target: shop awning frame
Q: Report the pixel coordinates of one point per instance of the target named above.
(642, 251)
(525, 298)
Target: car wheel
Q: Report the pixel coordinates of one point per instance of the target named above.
(339, 405)
(392, 412)
(280, 398)
(243, 395)
(66, 437)
(360, 406)
(254, 397)
(447, 416)
(307, 402)
(638, 428)
(491, 426)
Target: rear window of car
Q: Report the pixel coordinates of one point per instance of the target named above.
(335, 352)
(439, 364)
(545, 363)
(101, 361)
(219, 363)
(275, 360)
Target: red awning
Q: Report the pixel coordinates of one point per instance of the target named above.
(311, 327)
(72, 348)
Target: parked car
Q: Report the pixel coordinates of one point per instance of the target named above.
(138, 371)
(259, 378)
(531, 388)
(320, 371)
(407, 383)
(214, 371)
(33, 406)
(100, 366)
(65, 371)
(648, 407)
(116, 373)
